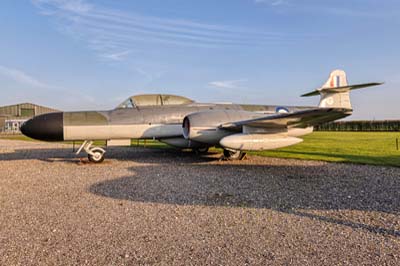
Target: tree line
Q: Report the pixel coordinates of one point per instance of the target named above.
(384, 125)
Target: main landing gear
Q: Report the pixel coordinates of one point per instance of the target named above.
(231, 155)
(95, 154)
(202, 150)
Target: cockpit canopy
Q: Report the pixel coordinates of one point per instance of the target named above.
(154, 100)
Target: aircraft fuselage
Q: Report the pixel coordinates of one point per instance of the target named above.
(149, 122)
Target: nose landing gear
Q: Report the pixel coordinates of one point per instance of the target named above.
(95, 154)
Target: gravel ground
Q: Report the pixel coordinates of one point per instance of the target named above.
(160, 207)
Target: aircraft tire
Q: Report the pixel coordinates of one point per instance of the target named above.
(98, 156)
(202, 150)
(234, 155)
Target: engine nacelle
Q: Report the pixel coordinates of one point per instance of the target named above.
(203, 126)
(258, 142)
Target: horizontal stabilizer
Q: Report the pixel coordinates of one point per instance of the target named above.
(341, 89)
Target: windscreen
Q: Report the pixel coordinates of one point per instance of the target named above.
(128, 103)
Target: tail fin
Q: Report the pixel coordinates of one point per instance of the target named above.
(337, 78)
(335, 93)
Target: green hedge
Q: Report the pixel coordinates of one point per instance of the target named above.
(386, 125)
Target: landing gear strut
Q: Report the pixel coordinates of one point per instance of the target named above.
(95, 154)
(234, 155)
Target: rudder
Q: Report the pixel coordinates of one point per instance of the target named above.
(332, 99)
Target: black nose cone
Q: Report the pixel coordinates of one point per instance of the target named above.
(47, 127)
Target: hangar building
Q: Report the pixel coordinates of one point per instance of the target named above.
(12, 116)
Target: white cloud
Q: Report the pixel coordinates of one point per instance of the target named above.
(227, 84)
(43, 91)
(272, 2)
(111, 33)
(21, 77)
(327, 9)
(75, 6)
(116, 56)
(348, 12)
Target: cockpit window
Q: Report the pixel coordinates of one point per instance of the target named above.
(154, 100)
(126, 104)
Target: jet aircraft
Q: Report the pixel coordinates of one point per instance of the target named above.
(183, 123)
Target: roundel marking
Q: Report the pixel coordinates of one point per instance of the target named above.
(329, 100)
(281, 110)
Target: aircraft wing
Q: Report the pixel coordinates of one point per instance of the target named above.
(302, 119)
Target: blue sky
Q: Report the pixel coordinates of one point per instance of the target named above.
(87, 54)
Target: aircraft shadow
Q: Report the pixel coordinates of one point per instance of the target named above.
(120, 153)
(393, 161)
(61, 154)
(288, 188)
(182, 178)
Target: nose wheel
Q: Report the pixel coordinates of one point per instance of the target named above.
(95, 154)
